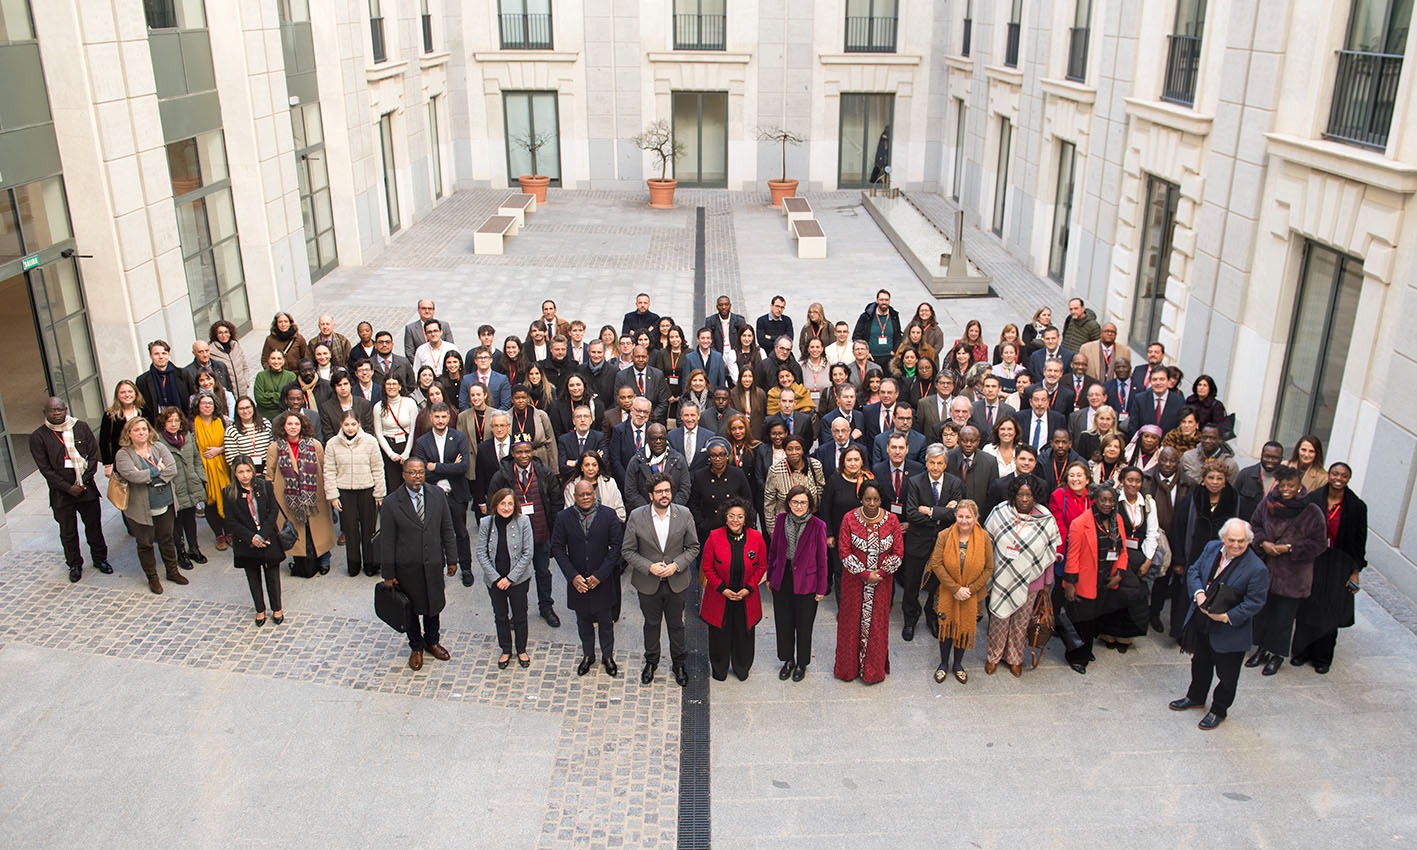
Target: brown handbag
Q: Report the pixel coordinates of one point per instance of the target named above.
(118, 492)
(1040, 628)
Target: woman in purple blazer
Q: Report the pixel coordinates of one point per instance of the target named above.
(797, 574)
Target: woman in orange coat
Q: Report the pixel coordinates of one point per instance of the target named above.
(735, 559)
(963, 561)
(1097, 546)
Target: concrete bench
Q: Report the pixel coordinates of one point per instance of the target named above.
(518, 206)
(796, 208)
(487, 239)
(811, 239)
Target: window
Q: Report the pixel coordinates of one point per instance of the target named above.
(1012, 33)
(533, 138)
(426, 18)
(206, 229)
(1369, 68)
(526, 24)
(700, 25)
(1324, 310)
(865, 145)
(1154, 265)
(701, 124)
(1001, 174)
(1062, 210)
(294, 11)
(968, 27)
(1077, 41)
(376, 32)
(175, 14)
(870, 26)
(313, 174)
(15, 21)
(391, 177)
(1183, 53)
(960, 115)
(435, 147)
(196, 162)
(32, 217)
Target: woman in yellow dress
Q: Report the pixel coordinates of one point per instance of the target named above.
(210, 432)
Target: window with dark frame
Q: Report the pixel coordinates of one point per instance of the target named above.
(1012, 33)
(376, 32)
(1369, 70)
(871, 26)
(700, 25)
(525, 24)
(1078, 37)
(1183, 53)
(1154, 260)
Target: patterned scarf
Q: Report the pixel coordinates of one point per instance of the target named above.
(65, 433)
(302, 485)
(794, 525)
(1024, 548)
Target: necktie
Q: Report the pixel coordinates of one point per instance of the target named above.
(895, 482)
(640, 382)
(1159, 406)
(417, 503)
(639, 439)
(582, 451)
(385, 361)
(688, 445)
(501, 451)
(886, 420)
(1037, 432)
(788, 416)
(523, 477)
(989, 415)
(482, 379)
(840, 452)
(935, 485)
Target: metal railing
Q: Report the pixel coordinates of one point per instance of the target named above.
(1077, 53)
(968, 36)
(526, 31)
(871, 34)
(1364, 91)
(376, 35)
(1183, 59)
(427, 33)
(700, 32)
(1011, 45)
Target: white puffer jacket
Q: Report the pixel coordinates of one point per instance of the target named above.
(353, 464)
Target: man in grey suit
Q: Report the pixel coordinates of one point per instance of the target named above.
(416, 540)
(413, 331)
(659, 546)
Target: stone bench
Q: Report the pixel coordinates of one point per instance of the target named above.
(796, 208)
(518, 206)
(811, 239)
(487, 239)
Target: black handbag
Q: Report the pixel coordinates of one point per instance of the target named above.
(392, 606)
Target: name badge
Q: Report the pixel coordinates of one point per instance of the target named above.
(896, 509)
(880, 340)
(1111, 556)
(1013, 549)
(673, 380)
(1132, 544)
(528, 510)
(68, 463)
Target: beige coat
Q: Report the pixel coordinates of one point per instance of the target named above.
(353, 465)
(321, 523)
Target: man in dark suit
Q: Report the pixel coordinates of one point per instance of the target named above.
(1080, 420)
(689, 439)
(706, 358)
(1141, 376)
(627, 438)
(797, 422)
(894, 473)
(1119, 393)
(162, 384)
(1232, 563)
(657, 458)
(416, 539)
(576, 442)
(976, 469)
(446, 455)
(490, 454)
(989, 410)
(725, 319)
(202, 359)
(1079, 381)
(660, 573)
(1037, 424)
(1025, 463)
(1157, 406)
(642, 318)
(930, 501)
(66, 453)
(1060, 394)
(586, 543)
(1254, 482)
(387, 363)
(846, 410)
(914, 440)
(779, 357)
(647, 381)
(880, 416)
(838, 441)
(1052, 350)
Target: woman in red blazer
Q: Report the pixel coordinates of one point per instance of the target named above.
(1097, 556)
(735, 559)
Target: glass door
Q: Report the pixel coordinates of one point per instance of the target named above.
(701, 126)
(865, 149)
(533, 135)
(1062, 211)
(1001, 174)
(316, 208)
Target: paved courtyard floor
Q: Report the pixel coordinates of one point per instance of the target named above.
(136, 720)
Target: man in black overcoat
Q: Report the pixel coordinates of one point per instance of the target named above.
(416, 541)
(586, 545)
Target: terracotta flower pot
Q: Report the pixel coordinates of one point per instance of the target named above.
(535, 184)
(780, 189)
(661, 193)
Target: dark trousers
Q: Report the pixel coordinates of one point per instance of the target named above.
(794, 614)
(271, 569)
(509, 613)
(732, 645)
(360, 516)
(1319, 650)
(418, 637)
(215, 520)
(184, 532)
(161, 532)
(1206, 663)
(541, 566)
(68, 518)
(912, 571)
(668, 606)
(586, 624)
(1274, 624)
(1170, 586)
(459, 511)
(1087, 630)
(393, 470)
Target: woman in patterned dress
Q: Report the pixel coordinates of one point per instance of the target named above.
(1026, 542)
(870, 545)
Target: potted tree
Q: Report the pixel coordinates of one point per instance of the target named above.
(783, 187)
(534, 184)
(658, 139)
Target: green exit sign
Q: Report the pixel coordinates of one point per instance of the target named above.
(30, 262)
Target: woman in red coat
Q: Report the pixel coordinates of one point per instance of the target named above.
(1097, 557)
(735, 559)
(870, 545)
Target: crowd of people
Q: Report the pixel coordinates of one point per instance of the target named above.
(1043, 480)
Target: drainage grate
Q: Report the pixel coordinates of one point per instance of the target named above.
(700, 256)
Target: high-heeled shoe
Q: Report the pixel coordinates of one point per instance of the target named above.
(260, 620)
(503, 662)
(277, 618)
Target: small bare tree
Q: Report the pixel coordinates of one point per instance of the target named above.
(658, 139)
(784, 138)
(533, 142)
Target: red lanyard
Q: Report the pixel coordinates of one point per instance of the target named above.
(526, 488)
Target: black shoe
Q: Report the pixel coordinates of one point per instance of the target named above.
(1123, 647)
(1299, 660)
(1272, 665)
(1321, 669)
(75, 573)
(278, 618)
(261, 620)
(183, 562)
(549, 615)
(1156, 624)
(1210, 721)
(611, 668)
(1257, 659)
(1184, 703)
(799, 673)
(681, 675)
(786, 671)
(197, 557)
(324, 569)
(353, 570)
(585, 665)
(524, 662)
(104, 567)
(467, 579)
(503, 662)
(647, 674)
(1111, 644)
(1079, 668)
(907, 632)
(371, 571)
